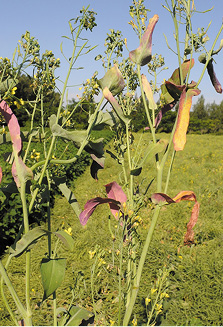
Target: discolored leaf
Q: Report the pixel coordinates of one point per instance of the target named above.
(161, 199)
(149, 94)
(115, 192)
(189, 236)
(215, 82)
(20, 172)
(179, 138)
(117, 108)
(113, 80)
(91, 205)
(143, 54)
(52, 272)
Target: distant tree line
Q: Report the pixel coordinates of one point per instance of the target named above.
(204, 118)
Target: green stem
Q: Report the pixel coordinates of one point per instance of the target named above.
(135, 289)
(54, 309)
(209, 55)
(177, 40)
(145, 105)
(4, 297)
(15, 297)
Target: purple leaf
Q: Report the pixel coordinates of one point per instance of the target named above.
(143, 54)
(24, 171)
(215, 82)
(13, 126)
(115, 192)
(91, 205)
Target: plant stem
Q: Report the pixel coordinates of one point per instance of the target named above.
(14, 294)
(135, 289)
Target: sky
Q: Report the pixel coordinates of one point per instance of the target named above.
(47, 21)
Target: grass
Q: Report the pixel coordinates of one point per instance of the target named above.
(195, 282)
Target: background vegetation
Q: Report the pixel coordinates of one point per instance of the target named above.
(195, 280)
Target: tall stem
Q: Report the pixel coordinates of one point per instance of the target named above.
(135, 289)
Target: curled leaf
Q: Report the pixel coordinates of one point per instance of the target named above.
(0, 174)
(91, 205)
(143, 54)
(116, 197)
(179, 138)
(161, 199)
(113, 80)
(117, 108)
(162, 111)
(215, 82)
(20, 171)
(13, 126)
(149, 94)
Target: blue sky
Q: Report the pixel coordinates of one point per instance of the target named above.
(47, 20)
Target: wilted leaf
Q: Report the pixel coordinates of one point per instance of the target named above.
(118, 110)
(115, 192)
(113, 80)
(13, 125)
(215, 82)
(52, 272)
(143, 54)
(179, 138)
(91, 205)
(149, 94)
(161, 198)
(189, 236)
(103, 119)
(23, 174)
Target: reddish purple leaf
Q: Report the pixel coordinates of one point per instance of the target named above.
(91, 205)
(161, 198)
(143, 54)
(115, 192)
(24, 172)
(189, 236)
(213, 77)
(0, 174)
(13, 126)
(162, 111)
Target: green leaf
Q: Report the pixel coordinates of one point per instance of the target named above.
(52, 272)
(60, 182)
(66, 239)
(150, 152)
(78, 315)
(8, 83)
(27, 241)
(104, 118)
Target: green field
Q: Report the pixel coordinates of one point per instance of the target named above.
(196, 279)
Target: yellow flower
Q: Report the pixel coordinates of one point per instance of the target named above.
(112, 322)
(134, 322)
(147, 300)
(153, 290)
(22, 102)
(68, 231)
(13, 90)
(92, 253)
